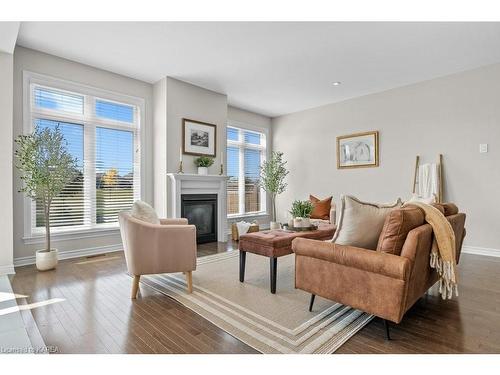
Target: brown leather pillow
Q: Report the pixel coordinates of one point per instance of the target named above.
(396, 227)
(321, 208)
(447, 209)
(439, 206)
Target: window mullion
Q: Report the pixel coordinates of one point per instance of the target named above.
(241, 177)
(89, 165)
(263, 194)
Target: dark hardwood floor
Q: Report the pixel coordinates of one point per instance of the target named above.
(98, 316)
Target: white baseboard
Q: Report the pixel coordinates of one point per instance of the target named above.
(7, 270)
(481, 251)
(24, 261)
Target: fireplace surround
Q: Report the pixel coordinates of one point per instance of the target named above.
(180, 184)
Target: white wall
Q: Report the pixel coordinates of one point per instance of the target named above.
(189, 101)
(176, 100)
(34, 61)
(251, 118)
(6, 162)
(160, 146)
(450, 115)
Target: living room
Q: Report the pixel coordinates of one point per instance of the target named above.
(190, 188)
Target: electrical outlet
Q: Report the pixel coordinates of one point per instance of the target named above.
(483, 147)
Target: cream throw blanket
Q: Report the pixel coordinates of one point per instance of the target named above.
(443, 253)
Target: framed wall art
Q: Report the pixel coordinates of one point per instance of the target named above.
(357, 150)
(199, 138)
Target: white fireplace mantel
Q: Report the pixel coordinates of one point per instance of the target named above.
(185, 183)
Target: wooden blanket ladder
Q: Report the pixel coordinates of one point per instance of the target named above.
(440, 177)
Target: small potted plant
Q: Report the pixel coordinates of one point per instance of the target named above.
(46, 168)
(301, 213)
(203, 162)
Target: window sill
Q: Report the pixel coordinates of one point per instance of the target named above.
(250, 215)
(72, 235)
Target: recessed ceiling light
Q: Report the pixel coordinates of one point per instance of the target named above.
(337, 83)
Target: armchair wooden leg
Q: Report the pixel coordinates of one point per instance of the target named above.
(135, 286)
(189, 279)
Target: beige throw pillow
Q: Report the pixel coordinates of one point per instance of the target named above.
(143, 211)
(360, 223)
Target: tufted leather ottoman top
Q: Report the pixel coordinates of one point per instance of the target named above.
(276, 243)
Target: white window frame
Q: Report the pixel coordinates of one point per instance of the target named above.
(241, 145)
(33, 235)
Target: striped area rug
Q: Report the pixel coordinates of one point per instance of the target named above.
(270, 323)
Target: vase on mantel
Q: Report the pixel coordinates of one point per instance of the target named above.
(203, 171)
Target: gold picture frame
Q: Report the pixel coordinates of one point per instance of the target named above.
(358, 150)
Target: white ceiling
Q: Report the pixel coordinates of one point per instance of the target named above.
(273, 68)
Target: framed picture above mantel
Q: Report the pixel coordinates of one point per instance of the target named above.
(199, 138)
(359, 150)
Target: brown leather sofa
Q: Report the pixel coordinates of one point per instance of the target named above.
(385, 281)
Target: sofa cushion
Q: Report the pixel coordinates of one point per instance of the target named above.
(360, 223)
(447, 209)
(318, 222)
(396, 227)
(321, 207)
(143, 211)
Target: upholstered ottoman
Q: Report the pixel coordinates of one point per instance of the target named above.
(274, 244)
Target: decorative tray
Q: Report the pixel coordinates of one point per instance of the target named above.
(301, 229)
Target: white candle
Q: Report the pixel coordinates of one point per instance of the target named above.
(222, 158)
(180, 154)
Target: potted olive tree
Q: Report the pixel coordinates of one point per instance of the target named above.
(203, 162)
(46, 168)
(272, 179)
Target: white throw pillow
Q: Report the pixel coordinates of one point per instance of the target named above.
(360, 223)
(418, 198)
(143, 211)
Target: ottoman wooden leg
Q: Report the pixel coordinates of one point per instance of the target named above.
(273, 268)
(243, 258)
(311, 303)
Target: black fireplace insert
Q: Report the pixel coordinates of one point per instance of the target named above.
(201, 211)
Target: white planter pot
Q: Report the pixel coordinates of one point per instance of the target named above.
(273, 225)
(306, 222)
(203, 171)
(46, 260)
(297, 222)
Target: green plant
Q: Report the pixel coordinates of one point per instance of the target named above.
(272, 177)
(204, 161)
(301, 209)
(46, 168)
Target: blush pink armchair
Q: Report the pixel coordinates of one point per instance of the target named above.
(158, 248)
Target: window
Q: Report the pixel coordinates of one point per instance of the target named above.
(246, 150)
(103, 134)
